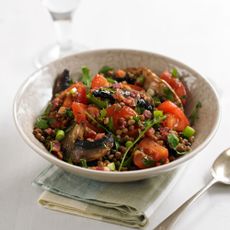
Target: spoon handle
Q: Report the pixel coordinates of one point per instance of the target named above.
(171, 219)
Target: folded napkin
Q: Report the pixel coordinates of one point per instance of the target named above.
(129, 204)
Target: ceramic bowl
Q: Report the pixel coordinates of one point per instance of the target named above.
(36, 91)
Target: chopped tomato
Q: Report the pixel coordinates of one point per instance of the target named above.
(176, 84)
(79, 95)
(111, 110)
(68, 101)
(93, 110)
(139, 159)
(171, 121)
(156, 151)
(126, 112)
(99, 81)
(150, 154)
(176, 119)
(117, 112)
(79, 112)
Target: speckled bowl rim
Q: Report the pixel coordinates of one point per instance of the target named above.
(154, 170)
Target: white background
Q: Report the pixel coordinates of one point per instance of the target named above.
(196, 32)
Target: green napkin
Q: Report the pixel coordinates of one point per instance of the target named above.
(129, 204)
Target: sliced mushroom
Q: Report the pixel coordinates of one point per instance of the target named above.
(157, 85)
(76, 148)
(62, 82)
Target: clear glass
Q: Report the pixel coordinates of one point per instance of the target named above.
(61, 12)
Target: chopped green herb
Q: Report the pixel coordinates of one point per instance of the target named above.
(99, 103)
(183, 97)
(51, 146)
(136, 118)
(117, 144)
(158, 120)
(147, 162)
(51, 120)
(69, 113)
(110, 124)
(83, 163)
(102, 114)
(86, 78)
(148, 122)
(188, 131)
(108, 89)
(105, 69)
(140, 80)
(168, 94)
(174, 73)
(173, 140)
(71, 82)
(48, 108)
(156, 100)
(41, 123)
(60, 135)
(139, 109)
(128, 162)
(194, 115)
(110, 80)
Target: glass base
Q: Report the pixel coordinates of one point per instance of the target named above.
(53, 52)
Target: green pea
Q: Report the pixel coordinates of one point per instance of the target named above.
(60, 135)
(188, 131)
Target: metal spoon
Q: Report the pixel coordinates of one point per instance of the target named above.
(221, 173)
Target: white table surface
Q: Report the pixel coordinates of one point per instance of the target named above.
(196, 32)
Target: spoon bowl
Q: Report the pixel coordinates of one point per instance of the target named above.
(221, 167)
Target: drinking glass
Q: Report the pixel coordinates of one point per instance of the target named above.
(61, 12)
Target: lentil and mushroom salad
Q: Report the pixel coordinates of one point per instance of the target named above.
(117, 120)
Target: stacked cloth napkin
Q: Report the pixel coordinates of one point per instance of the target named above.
(129, 204)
